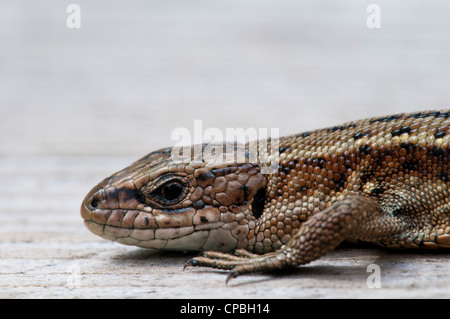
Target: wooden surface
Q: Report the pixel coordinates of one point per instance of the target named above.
(79, 104)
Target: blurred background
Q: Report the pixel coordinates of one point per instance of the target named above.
(136, 70)
(78, 104)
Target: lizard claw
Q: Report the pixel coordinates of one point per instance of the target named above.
(194, 262)
(231, 275)
(239, 265)
(189, 262)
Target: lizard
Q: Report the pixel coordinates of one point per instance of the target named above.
(382, 180)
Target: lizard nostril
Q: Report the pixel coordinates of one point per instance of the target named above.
(95, 203)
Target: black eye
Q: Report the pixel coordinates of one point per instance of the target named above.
(171, 191)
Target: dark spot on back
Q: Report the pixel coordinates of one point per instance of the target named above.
(415, 115)
(423, 115)
(284, 149)
(357, 135)
(439, 134)
(400, 131)
(360, 135)
(386, 118)
(436, 113)
(336, 128)
(321, 163)
(392, 117)
(203, 219)
(364, 149)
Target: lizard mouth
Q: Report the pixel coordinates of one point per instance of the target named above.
(139, 228)
(183, 238)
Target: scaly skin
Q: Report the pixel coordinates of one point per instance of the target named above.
(381, 180)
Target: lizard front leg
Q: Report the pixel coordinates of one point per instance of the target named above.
(354, 217)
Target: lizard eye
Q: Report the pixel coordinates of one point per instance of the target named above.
(170, 192)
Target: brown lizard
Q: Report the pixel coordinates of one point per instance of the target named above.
(383, 180)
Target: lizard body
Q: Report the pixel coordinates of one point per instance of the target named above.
(382, 180)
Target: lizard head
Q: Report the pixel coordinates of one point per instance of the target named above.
(160, 203)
